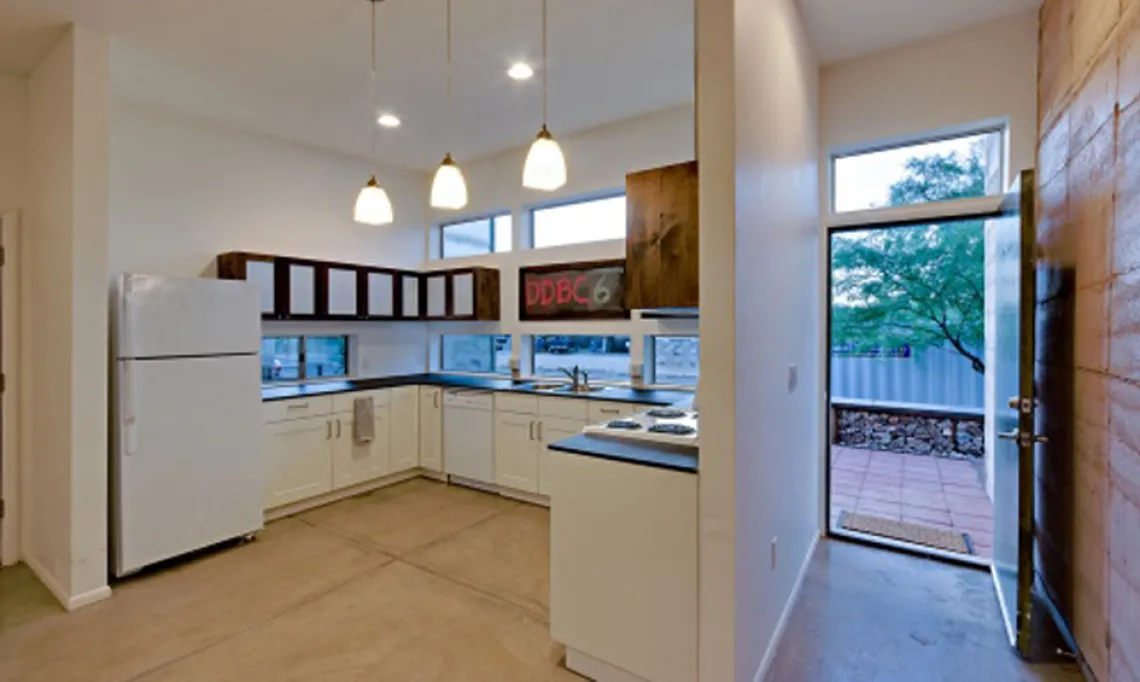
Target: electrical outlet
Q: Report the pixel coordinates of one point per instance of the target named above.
(775, 546)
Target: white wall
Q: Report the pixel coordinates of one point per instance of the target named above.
(983, 72)
(65, 462)
(598, 161)
(184, 190)
(759, 199)
(13, 141)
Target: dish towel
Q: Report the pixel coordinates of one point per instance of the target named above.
(363, 421)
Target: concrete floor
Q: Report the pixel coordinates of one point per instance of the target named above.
(871, 615)
(429, 583)
(416, 582)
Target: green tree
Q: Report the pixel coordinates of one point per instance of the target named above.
(923, 286)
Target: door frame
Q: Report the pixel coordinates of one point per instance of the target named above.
(10, 413)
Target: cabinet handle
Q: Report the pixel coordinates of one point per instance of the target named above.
(338, 428)
(539, 431)
(530, 430)
(610, 410)
(436, 397)
(297, 406)
(328, 430)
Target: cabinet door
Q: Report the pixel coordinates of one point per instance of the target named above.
(411, 296)
(263, 273)
(302, 289)
(463, 295)
(342, 292)
(662, 238)
(381, 294)
(436, 296)
(405, 406)
(552, 430)
(298, 460)
(516, 451)
(431, 428)
(359, 462)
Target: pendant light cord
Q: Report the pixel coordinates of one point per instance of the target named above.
(372, 123)
(545, 70)
(449, 105)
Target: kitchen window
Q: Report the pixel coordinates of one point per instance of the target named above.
(937, 168)
(296, 358)
(676, 360)
(476, 237)
(482, 353)
(605, 358)
(594, 220)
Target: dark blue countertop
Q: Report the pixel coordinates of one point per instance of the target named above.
(660, 455)
(615, 394)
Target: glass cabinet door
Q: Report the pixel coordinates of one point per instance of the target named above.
(263, 273)
(302, 289)
(437, 296)
(381, 294)
(342, 292)
(411, 296)
(463, 295)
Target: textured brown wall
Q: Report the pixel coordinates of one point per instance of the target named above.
(1089, 324)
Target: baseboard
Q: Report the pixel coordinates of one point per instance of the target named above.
(65, 599)
(530, 498)
(597, 669)
(338, 495)
(782, 624)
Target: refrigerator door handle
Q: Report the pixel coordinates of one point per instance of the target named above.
(130, 428)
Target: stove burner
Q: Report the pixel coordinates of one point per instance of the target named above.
(666, 413)
(626, 424)
(673, 429)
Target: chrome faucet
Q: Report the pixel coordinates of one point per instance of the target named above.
(573, 374)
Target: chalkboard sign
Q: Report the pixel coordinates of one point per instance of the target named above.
(570, 291)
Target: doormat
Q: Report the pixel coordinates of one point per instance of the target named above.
(916, 534)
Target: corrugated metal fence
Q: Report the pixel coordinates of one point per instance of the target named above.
(935, 376)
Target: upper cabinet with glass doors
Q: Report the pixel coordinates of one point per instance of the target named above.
(301, 289)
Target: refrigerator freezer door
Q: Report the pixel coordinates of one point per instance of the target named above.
(186, 316)
(187, 468)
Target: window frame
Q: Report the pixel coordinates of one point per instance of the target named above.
(302, 370)
(570, 201)
(651, 359)
(987, 127)
(488, 217)
(533, 347)
(493, 372)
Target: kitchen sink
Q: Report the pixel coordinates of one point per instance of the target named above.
(580, 389)
(546, 387)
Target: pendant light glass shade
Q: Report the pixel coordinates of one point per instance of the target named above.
(545, 167)
(372, 205)
(448, 189)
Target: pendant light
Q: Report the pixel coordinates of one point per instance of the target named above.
(448, 189)
(545, 167)
(372, 204)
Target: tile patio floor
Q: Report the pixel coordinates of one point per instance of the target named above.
(931, 491)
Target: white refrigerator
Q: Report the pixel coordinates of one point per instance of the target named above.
(186, 464)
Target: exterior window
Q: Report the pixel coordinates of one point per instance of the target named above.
(295, 358)
(476, 237)
(485, 353)
(585, 221)
(676, 360)
(937, 169)
(605, 358)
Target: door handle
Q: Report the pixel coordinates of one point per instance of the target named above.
(1023, 438)
(1010, 435)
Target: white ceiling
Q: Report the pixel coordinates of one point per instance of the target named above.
(299, 68)
(844, 29)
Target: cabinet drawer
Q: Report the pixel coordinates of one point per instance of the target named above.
(566, 408)
(285, 410)
(515, 402)
(608, 411)
(342, 402)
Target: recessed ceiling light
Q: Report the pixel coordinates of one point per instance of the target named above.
(520, 71)
(389, 121)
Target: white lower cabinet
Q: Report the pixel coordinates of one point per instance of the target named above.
(516, 451)
(404, 404)
(298, 460)
(354, 462)
(552, 430)
(431, 428)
